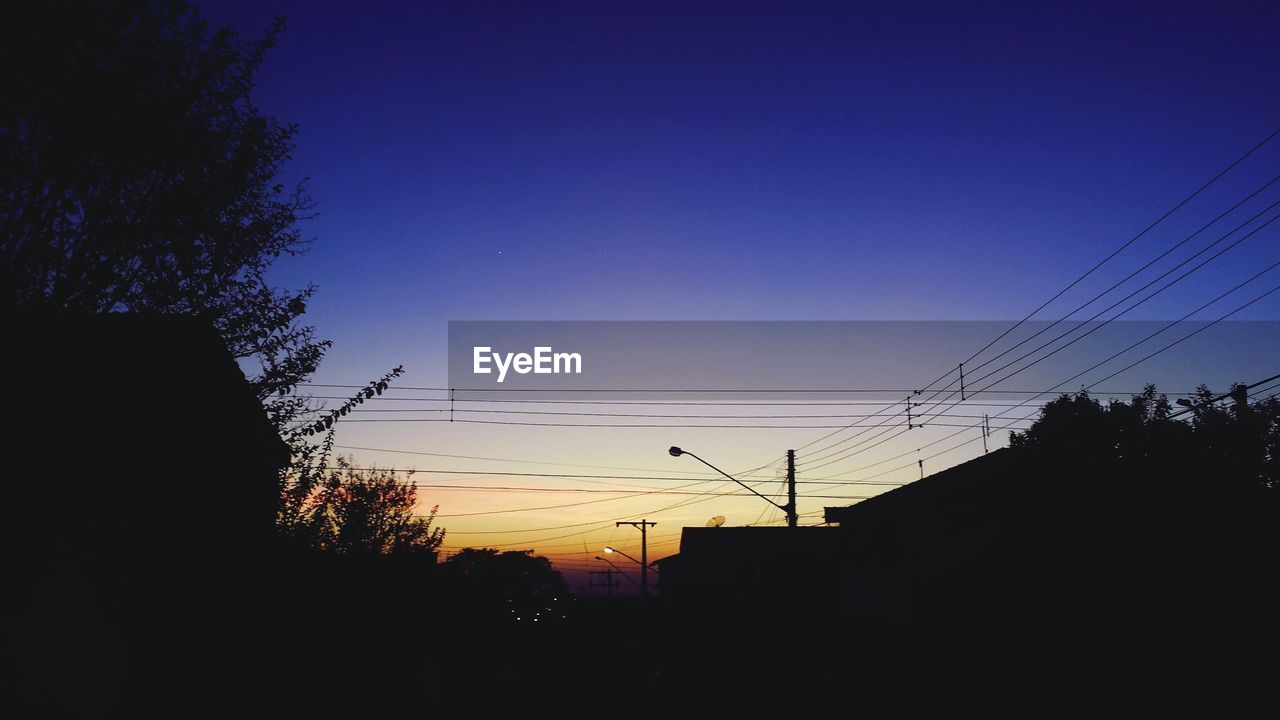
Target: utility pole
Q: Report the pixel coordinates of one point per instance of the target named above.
(793, 520)
(1240, 396)
(789, 508)
(644, 526)
(608, 580)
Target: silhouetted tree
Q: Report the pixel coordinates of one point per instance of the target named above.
(357, 511)
(516, 575)
(300, 482)
(1242, 438)
(136, 174)
(1235, 444)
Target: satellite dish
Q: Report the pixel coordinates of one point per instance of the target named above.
(716, 521)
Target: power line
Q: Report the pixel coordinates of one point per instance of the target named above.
(1198, 330)
(1149, 263)
(524, 530)
(950, 449)
(695, 403)
(627, 415)
(1262, 391)
(541, 543)
(1122, 352)
(848, 452)
(624, 517)
(534, 509)
(1009, 425)
(1251, 390)
(608, 523)
(1118, 354)
(1126, 310)
(628, 493)
(1099, 326)
(1173, 324)
(612, 425)
(813, 391)
(512, 460)
(1131, 275)
(747, 474)
(1126, 244)
(666, 539)
(506, 473)
(361, 387)
(626, 496)
(1064, 290)
(1143, 300)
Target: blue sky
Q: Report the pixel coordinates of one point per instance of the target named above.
(749, 161)
(740, 161)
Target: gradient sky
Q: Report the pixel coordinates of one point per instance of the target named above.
(743, 161)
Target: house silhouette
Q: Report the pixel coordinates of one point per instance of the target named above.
(142, 489)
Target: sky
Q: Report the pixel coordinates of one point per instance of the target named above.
(739, 161)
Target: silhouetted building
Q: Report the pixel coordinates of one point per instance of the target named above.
(141, 491)
(953, 546)
(1036, 540)
(721, 568)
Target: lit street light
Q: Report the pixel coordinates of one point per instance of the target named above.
(614, 550)
(608, 550)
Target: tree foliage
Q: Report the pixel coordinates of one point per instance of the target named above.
(309, 471)
(1237, 444)
(136, 174)
(359, 511)
(515, 575)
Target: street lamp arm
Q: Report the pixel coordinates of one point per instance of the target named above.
(616, 550)
(783, 508)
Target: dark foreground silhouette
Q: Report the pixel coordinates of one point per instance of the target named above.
(143, 577)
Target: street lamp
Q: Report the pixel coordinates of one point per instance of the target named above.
(608, 550)
(789, 508)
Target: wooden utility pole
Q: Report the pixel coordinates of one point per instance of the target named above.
(793, 519)
(644, 526)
